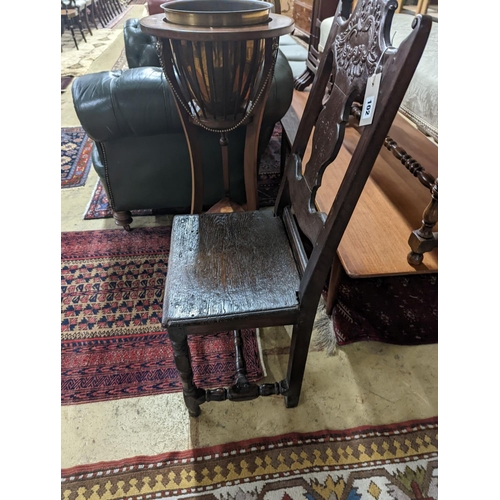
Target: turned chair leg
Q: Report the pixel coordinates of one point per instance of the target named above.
(193, 396)
(123, 218)
(424, 240)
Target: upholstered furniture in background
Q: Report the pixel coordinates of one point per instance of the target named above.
(140, 151)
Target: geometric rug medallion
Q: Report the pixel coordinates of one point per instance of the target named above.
(397, 461)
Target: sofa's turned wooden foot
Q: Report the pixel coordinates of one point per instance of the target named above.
(123, 218)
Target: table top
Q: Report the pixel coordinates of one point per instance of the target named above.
(390, 207)
(156, 25)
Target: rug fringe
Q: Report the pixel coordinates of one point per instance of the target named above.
(323, 335)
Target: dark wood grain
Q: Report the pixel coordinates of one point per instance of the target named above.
(223, 266)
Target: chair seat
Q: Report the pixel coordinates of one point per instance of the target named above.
(223, 267)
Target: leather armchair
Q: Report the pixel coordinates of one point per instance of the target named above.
(140, 151)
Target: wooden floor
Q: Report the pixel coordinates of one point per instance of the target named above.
(390, 208)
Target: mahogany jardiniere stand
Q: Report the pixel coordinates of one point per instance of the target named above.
(218, 57)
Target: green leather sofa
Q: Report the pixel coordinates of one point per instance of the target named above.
(140, 151)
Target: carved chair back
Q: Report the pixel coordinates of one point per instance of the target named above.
(358, 46)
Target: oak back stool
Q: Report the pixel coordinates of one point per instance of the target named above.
(231, 271)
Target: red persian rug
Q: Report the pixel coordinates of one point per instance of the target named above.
(113, 345)
(398, 461)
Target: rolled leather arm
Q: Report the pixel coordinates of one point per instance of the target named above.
(138, 102)
(125, 103)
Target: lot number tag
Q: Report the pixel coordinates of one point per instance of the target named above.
(370, 101)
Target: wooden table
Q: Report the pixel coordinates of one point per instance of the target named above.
(375, 242)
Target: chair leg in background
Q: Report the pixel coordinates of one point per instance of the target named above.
(103, 17)
(80, 27)
(336, 273)
(71, 26)
(92, 10)
(86, 19)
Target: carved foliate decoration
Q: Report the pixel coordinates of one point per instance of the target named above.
(352, 55)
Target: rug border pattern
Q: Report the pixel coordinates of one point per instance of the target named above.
(243, 447)
(344, 465)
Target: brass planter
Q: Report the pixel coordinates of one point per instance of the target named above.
(217, 13)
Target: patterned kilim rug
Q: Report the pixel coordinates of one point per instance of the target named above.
(113, 345)
(76, 149)
(396, 461)
(268, 183)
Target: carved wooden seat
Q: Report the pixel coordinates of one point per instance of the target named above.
(253, 269)
(223, 267)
